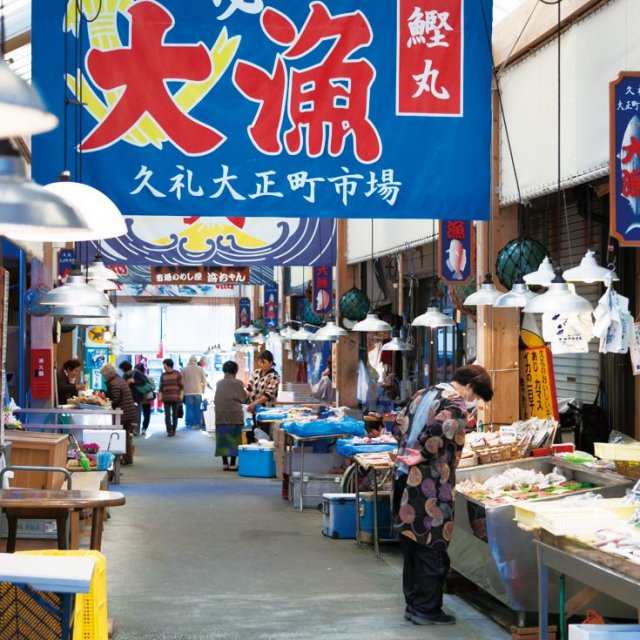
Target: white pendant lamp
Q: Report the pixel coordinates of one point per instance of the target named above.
(287, 331)
(101, 284)
(371, 324)
(88, 311)
(433, 317)
(75, 292)
(83, 321)
(302, 334)
(558, 299)
(486, 295)
(543, 276)
(330, 331)
(101, 215)
(519, 296)
(29, 212)
(258, 339)
(22, 111)
(247, 331)
(396, 344)
(97, 270)
(590, 271)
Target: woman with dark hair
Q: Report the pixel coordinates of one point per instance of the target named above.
(147, 399)
(263, 386)
(66, 380)
(229, 398)
(431, 434)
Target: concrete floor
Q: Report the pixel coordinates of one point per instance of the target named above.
(198, 553)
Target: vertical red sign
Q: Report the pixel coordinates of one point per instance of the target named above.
(430, 57)
(41, 373)
(322, 290)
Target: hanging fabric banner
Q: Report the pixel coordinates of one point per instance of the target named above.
(456, 249)
(322, 290)
(191, 241)
(537, 384)
(624, 158)
(271, 306)
(244, 312)
(270, 108)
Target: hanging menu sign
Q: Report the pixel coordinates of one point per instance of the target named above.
(456, 249)
(200, 275)
(537, 384)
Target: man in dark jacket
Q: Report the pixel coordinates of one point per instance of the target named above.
(134, 379)
(119, 392)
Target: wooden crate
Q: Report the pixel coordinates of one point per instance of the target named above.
(531, 633)
(38, 450)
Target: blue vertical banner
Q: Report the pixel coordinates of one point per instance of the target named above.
(624, 158)
(66, 258)
(322, 281)
(244, 312)
(271, 306)
(456, 249)
(270, 108)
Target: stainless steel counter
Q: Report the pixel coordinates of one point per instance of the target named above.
(491, 550)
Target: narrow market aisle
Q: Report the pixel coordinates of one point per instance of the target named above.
(199, 553)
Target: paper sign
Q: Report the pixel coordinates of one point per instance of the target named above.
(537, 384)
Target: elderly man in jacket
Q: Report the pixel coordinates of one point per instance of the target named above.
(195, 382)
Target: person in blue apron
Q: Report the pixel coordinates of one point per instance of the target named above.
(431, 434)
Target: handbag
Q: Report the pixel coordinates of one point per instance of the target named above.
(150, 395)
(181, 410)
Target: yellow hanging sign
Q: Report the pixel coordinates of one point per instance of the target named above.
(537, 384)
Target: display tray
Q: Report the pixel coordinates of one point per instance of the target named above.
(581, 549)
(91, 407)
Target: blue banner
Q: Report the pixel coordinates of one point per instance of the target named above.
(271, 306)
(270, 108)
(624, 105)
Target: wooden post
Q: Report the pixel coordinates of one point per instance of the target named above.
(346, 359)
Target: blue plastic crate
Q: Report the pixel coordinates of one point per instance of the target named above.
(255, 461)
(339, 515)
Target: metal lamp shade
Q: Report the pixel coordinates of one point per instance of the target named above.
(371, 324)
(287, 332)
(486, 295)
(302, 334)
(590, 271)
(29, 212)
(22, 111)
(331, 330)
(396, 344)
(519, 296)
(558, 299)
(83, 321)
(101, 215)
(433, 317)
(75, 292)
(97, 270)
(247, 331)
(98, 313)
(101, 284)
(543, 276)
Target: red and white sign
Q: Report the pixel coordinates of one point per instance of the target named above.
(41, 374)
(430, 57)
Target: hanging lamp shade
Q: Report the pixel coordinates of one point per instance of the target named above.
(99, 271)
(433, 317)
(519, 296)
(22, 111)
(559, 298)
(75, 292)
(100, 214)
(302, 334)
(89, 311)
(247, 331)
(286, 332)
(486, 295)
(83, 321)
(371, 324)
(396, 344)
(332, 330)
(102, 284)
(590, 271)
(29, 212)
(543, 276)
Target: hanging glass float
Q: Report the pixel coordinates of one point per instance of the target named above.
(354, 305)
(517, 258)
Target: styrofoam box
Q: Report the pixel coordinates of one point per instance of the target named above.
(315, 486)
(41, 529)
(339, 515)
(604, 631)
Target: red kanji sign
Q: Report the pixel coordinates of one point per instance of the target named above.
(456, 246)
(41, 374)
(322, 290)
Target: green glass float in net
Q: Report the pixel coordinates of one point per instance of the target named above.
(354, 304)
(309, 316)
(459, 293)
(259, 324)
(517, 258)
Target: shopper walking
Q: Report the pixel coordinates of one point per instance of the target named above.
(431, 434)
(229, 398)
(119, 392)
(194, 380)
(66, 380)
(171, 393)
(147, 399)
(263, 387)
(136, 382)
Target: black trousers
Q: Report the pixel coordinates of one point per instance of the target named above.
(423, 575)
(171, 416)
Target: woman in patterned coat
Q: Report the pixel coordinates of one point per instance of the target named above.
(263, 386)
(431, 435)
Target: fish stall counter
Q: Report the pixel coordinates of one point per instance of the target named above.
(488, 547)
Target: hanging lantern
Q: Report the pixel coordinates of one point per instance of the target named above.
(517, 258)
(354, 304)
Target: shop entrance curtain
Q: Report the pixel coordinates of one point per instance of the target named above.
(270, 108)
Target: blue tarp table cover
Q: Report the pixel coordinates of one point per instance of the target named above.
(347, 448)
(316, 428)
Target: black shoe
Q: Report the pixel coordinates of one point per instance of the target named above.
(409, 612)
(438, 617)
